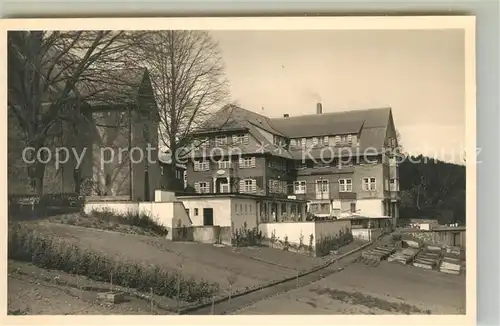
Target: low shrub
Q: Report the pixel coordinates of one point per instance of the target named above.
(329, 243)
(143, 221)
(28, 245)
(244, 237)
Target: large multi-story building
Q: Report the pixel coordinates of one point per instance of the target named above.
(340, 162)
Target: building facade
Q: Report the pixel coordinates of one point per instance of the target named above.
(112, 137)
(339, 163)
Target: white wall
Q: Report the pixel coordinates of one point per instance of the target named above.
(243, 210)
(370, 207)
(121, 208)
(167, 214)
(164, 196)
(180, 215)
(292, 230)
(366, 234)
(221, 209)
(331, 228)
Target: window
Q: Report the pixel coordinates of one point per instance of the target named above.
(343, 140)
(249, 208)
(303, 142)
(322, 186)
(386, 184)
(187, 211)
(315, 141)
(369, 184)
(202, 187)
(236, 208)
(248, 186)
(353, 207)
(299, 187)
(196, 212)
(293, 143)
(345, 185)
(246, 208)
(179, 174)
(224, 163)
(240, 139)
(247, 162)
(201, 165)
(394, 185)
(325, 140)
(220, 140)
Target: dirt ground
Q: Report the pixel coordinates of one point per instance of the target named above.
(252, 266)
(389, 288)
(35, 291)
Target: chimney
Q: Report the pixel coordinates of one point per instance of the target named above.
(319, 108)
(286, 116)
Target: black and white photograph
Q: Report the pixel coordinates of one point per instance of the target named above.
(268, 168)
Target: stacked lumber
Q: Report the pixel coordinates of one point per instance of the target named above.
(378, 253)
(434, 248)
(404, 256)
(427, 260)
(372, 257)
(450, 265)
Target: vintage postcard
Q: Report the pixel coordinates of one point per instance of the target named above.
(314, 167)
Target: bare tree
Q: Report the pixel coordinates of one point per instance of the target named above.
(187, 74)
(47, 71)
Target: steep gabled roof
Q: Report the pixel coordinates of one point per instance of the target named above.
(234, 117)
(334, 123)
(370, 124)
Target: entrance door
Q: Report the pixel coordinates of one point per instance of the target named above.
(222, 185)
(208, 216)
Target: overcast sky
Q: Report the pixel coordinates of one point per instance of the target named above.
(420, 74)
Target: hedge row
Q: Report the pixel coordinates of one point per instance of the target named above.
(26, 244)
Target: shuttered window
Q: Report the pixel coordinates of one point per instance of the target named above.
(247, 162)
(201, 166)
(202, 187)
(248, 186)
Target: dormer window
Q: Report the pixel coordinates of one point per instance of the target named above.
(343, 140)
(220, 140)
